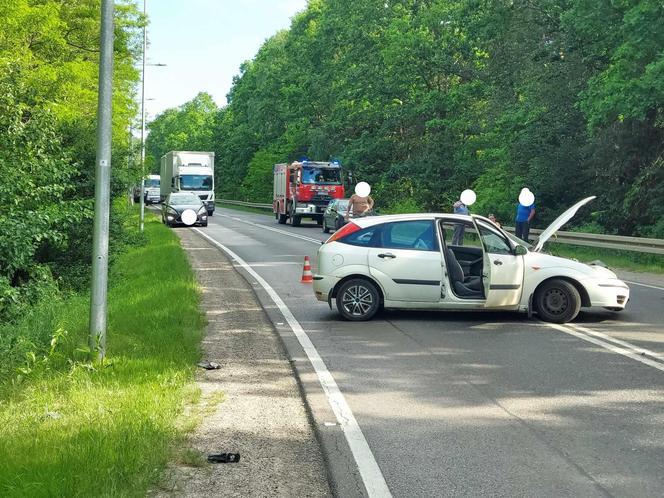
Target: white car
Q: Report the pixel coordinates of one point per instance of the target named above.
(408, 262)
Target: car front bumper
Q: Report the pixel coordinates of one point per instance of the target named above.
(608, 293)
(201, 219)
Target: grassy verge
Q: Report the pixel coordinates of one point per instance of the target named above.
(627, 260)
(72, 428)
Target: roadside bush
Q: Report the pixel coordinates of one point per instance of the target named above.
(35, 212)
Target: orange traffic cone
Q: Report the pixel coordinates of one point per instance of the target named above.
(307, 276)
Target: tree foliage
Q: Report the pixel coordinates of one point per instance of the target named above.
(424, 98)
(49, 53)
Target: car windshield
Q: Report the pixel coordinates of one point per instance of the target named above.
(185, 200)
(326, 176)
(196, 182)
(519, 241)
(342, 205)
(152, 182)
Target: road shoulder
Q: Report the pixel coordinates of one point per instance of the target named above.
(262, 416)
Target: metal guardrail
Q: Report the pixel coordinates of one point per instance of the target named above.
(248, 204)
(617, 242)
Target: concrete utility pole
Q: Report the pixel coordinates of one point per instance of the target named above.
(142, 215)
(98, 304)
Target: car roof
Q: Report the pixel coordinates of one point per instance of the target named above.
(368, 221)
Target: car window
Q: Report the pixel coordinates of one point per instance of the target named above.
(417, 235)
(493, 242)
(182, 200)
(366, 237)
(460, 233)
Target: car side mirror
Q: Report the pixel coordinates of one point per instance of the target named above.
(520, 250)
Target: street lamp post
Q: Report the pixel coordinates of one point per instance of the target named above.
(142, 215)
(99, 291)
(142, 201)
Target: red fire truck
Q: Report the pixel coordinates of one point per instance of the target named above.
(303, 189)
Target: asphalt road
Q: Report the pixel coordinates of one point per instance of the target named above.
(475, 404)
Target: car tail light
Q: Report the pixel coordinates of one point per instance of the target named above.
(347, 229)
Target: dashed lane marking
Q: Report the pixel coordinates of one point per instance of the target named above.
(630, 350)
(277, 230)
(371, 475)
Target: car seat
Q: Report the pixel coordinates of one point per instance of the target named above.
(464, 286)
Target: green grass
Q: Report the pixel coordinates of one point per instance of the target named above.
(626, 260)
(72, 428)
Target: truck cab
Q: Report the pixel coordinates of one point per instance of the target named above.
(186, 171)
(303, 189)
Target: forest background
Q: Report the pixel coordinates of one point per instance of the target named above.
(421, 98)
(424, 98)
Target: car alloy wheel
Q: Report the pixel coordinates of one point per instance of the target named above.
(358, 300)
(557, 301)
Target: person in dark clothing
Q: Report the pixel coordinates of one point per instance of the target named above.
(524, 215)
(460, 228)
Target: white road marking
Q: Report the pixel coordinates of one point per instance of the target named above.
(636, 349)
(283, 232)
(644, 285)
(373, 478)
(587, 335)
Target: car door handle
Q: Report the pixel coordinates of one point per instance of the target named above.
(387, 255)
(497, 262)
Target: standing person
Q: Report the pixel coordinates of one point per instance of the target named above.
(493, 219)
(524, 215)
(359, 205)
(460, 228)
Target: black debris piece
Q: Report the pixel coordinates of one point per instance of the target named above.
(224, 458)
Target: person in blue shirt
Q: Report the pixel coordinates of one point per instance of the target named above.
(524, 215)
(459, 228)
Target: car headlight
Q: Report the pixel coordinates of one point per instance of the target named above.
(202, 209)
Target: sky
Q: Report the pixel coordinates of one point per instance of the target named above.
(203, 43)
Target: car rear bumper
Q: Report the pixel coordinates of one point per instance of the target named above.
(323, 286)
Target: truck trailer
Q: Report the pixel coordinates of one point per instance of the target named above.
(304, 189)
(187, 171)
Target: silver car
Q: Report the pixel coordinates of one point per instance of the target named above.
(334, 215)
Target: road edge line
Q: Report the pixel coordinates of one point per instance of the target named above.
(372, 477)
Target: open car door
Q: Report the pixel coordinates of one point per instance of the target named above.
(502, 273)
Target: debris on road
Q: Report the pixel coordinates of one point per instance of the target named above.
(224, 458)
(209, 365)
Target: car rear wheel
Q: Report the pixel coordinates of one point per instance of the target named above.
(557, 301)
(326, 229)
(358, 300)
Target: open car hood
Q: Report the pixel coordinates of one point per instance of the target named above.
(559, 222)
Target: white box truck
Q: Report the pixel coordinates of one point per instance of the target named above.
(187, 171)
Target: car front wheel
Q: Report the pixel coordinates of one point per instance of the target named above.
(557, 301)
(358, 300)
(326, 229)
